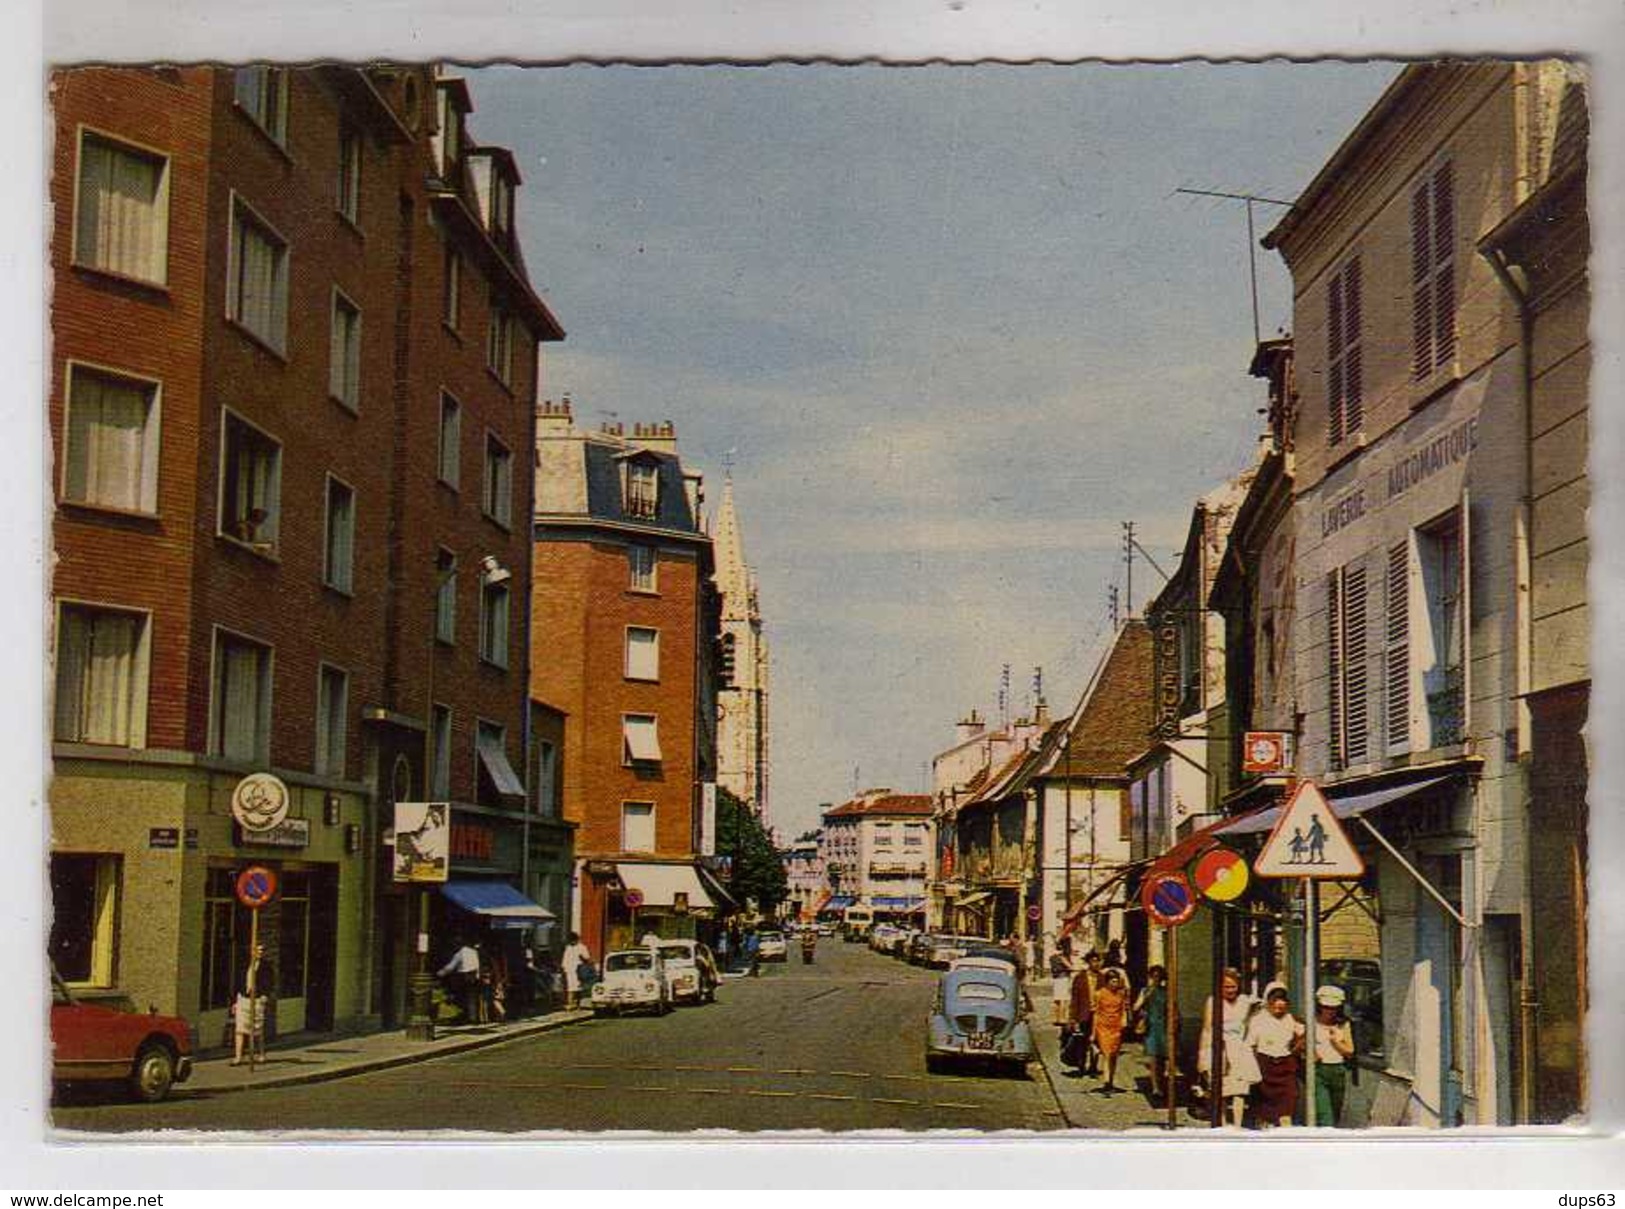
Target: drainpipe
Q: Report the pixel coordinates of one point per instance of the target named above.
(1528, 1000)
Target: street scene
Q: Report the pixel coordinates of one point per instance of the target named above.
(814, 597)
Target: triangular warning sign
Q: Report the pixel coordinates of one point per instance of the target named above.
(1308, 841)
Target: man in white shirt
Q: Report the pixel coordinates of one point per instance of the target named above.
(463, 974)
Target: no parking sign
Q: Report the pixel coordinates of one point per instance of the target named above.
(256, 886)
(1168, 899)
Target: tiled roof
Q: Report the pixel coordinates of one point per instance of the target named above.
(1117, 713)
(894, 803)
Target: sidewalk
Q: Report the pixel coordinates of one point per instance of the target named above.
(296, 1062)
(1083, 1106)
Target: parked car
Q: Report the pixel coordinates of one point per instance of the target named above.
(918, 946)
(826, 927)
(856, 922)
(633, 979)
(881, 937)
(93, 1042)
(771, 946)
(977, 1016)
(691, 971)
(943, 951)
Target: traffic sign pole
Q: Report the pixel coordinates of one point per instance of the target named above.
(1311, 942)
(1170, 1030)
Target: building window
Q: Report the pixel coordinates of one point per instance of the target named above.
(262, 93)
(451, 439)
(101, 677)
(122, 224)
(110, 458)
(293, 934)
(451, 298)
(1441, 553)
(637, 826)
(501, 208)
(250, 484)
(1433, 272)
(641, 739)
(332, 714)
(448, 139)
(440, 754)
(84, 917)
(240, 717)
(1345, 404)
(344, 355)
(640, 561)
(225, 940)
(257, 289)
(349, 175)
(729, 666)
(338, 564)
(445, 601)
(499, 344)
(642, 653)
(1397, 648)
(498, 481)
(547, 771)
(1348, 672)
(641, 489)
(494, 624)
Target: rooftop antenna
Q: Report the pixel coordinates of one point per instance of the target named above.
(1111, 604)
(1252, 240)
(1004, 697)
(1038, 688)
(728, 462)
(1130, 545)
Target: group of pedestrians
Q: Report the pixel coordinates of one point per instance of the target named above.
(1262, 1047)
(1093, 1003)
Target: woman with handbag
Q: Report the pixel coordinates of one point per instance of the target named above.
(579, 971)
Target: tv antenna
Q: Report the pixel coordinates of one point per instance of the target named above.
(1251, 199)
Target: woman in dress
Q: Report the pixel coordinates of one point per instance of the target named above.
(1151, 1007)
(1111, 1012)
(576, 956)
(1240, 1064)
(1276, 1038)
(1060, 973)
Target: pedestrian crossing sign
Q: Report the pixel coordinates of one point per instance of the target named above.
(1308, 841)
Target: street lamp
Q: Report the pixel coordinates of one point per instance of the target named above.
(420, 1018)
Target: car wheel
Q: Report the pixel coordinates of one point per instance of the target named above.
(153, 1074)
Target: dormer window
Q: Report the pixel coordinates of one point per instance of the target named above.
(640, 484)
(501, 217)
(449, 139)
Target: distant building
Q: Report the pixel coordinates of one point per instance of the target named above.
(624, 626)
(742, 696)
(804, 873)
(876, 851)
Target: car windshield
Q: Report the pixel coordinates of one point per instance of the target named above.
(630, 961)
(981, 990)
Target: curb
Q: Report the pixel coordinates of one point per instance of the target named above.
(386, 1062)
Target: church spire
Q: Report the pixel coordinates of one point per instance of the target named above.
(733, 575)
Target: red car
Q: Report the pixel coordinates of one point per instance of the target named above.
(150, 1054)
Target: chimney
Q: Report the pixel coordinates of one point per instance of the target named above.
(1041, 713)
(967, 729)
(554, 419)
(662, 437)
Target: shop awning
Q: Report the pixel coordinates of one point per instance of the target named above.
(898, 903)
(839, 903)
(661, 884)
(497, 902)
(1347, 806)
(495, 762)
(973, 900)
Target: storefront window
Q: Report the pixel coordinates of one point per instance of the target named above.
(293, 934)
(84, 902)
(225, 941)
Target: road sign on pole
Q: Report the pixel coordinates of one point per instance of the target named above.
(1168, 899)
(255, 886)
(1308, 841)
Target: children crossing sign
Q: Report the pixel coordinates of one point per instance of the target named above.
(1308, 841)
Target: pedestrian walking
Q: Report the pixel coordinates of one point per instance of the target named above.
(1151, 1011)
(1114, 961)
(1111, 1011)
(1061, 971)
(753, 954)
(1079, 1046)
(462, 977)
(1334, 1048)
(722, 950)
(1277, 1040)
(1240, 1064)
(579, 970)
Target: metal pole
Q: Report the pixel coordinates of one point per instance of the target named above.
(1311, 937)
(1171, 1026)
(1215, 1064)
(1252, 266)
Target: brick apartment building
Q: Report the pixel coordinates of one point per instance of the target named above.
(626, 618)
(292, 384)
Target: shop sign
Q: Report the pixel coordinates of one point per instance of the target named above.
(191, 838)
(422, 841)
(260, 802)
(1168, 690)
(1264, 751)
(289, 833)
(471, 841)
(1417, 463)
(708, 818)
(163, 837)
(600, 868)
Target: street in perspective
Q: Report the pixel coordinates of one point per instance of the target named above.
(827, 597)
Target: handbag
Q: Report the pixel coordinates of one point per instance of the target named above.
(1075, 1049)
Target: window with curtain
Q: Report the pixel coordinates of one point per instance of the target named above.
(338, 569)
(1442, 644)
(344, 356)
(498, 481)
(642, 653)
(122, 225)
(84, 917)
(641, 738)
(111, 447)
(262, 93)
(242, 699)
(332, 715)
(257, 292)
(637, 826)
(101, 677)
(250, 485)
(640, 561)
(494, 624)
(641, 489)
(451, 439)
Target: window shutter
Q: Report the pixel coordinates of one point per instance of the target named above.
(1353, 405)
(1398, 658)
(1356, 670)
(1444, 274)
(1334, 666)
(1421, 291)
(1334, 361)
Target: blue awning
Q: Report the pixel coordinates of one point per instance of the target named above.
(898, 903)
(496, 902)
(839, 903)
(1346, 807)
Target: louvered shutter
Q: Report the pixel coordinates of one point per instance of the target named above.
(1421, 284)
(1398, 656)
(1334, 667)
(1444, 267)
(1353, 404)
(1334, 361)
(1356, 669)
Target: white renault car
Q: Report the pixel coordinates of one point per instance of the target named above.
(691, 973)
(634, 979)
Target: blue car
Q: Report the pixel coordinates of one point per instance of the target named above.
(977, 1018)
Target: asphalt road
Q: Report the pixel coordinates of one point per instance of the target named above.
(837, 1045)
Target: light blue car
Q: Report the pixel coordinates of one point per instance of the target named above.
(977, 1017)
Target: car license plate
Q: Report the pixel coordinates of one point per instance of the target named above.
(981, 1041)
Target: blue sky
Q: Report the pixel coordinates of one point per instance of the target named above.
(953, 321)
